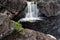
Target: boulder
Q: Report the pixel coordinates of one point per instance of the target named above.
(5, 26)
(28, 34)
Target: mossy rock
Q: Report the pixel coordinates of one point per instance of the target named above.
(18, 26)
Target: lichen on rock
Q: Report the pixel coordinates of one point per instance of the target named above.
(18, 26)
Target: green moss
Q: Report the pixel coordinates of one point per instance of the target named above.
(18, 26)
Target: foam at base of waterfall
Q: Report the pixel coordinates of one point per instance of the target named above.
(30, 19)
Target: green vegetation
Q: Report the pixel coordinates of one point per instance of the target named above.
(18, 26)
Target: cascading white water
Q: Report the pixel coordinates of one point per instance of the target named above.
(32, 14)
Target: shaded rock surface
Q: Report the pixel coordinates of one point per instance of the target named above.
(13, 5)
(5, 26)
(17, 5)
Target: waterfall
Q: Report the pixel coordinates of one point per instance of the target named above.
(32, 12)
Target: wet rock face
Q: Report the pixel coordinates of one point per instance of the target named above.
(28, 34)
